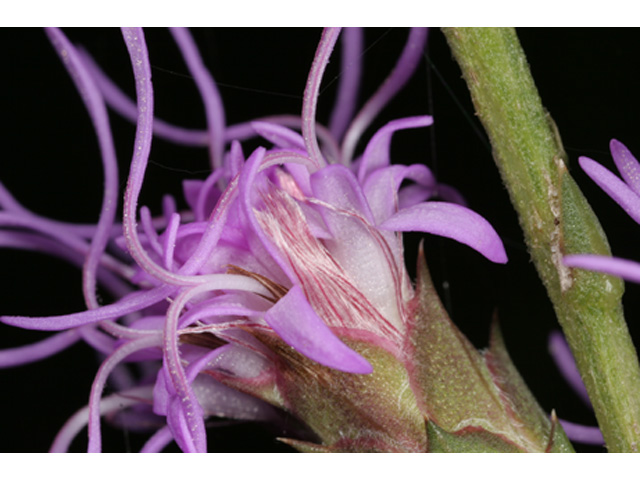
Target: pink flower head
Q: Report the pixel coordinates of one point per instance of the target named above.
(297, 240)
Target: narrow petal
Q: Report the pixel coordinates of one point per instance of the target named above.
(561, 354)
(413, 195)
(126, 107)
(11, 357)
(249, 191)
(402, 71)
(376, 154)
(111, 404)
(139, 57)
(280, 136)
(208, 195)
(184, 413)
(208, 91)
(95, 440)
(235, 159)
(582, 433)
(191, 189)
(381, 191)
(450, 194)
(451, 221)
(350, 73)
(158, 441)
(627, 269)
(298, 325)
(132, 303)
(137, 47)
(627, 164)
(98, 112)
(312, 91)
(382, 187)
(619, 191)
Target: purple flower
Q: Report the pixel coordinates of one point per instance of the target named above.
(298, 241)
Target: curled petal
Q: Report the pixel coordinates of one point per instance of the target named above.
(95, 440)
(448, 194)
(613, 186)
(208, 91)
(382, 189)
(298, 325)
(124, 106)
(627, 164)
(98, 112)
(311, 92)
(184, 412)
(280, 136)
(134, 40)
(208, 195)
(111, 404)
(451, 221)
(376, 154)
(158, 441)
(190, 190)
(627, 269)
(248, 193)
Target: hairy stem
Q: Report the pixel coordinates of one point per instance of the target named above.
(556, 220)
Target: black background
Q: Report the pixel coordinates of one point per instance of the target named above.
(587, 79)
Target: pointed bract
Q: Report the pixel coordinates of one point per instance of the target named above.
(473, 402)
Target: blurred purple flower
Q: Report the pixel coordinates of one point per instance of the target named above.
(299, 239)
(626, 193)
(566, 364)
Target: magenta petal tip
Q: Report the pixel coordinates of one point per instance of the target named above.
(619, 267)
(451, 221)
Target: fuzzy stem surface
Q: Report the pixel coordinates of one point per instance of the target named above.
(556, 220)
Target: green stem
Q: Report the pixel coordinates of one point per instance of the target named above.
(556, 220)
